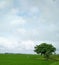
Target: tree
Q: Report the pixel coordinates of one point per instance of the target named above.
(45, 49)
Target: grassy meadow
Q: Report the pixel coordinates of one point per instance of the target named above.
(26, 59)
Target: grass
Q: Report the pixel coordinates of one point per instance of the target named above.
(55, 63)
(25, 59)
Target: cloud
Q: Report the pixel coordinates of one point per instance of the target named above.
(27, 45)
(4, 4)
(8, 45)
(13, 11)
(28, 21)
(12, 17)
(21, 31)
(17, 20)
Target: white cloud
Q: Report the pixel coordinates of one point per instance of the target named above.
(21, 31)
(13, 18)
(26, 32)
(7, 43)
(34, 10)
(2, 4)
(29, 21)
(17, 20)
(28, 45)
(14, 11)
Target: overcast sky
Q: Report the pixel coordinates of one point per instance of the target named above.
(26, 23)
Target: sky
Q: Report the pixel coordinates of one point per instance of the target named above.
(27, 23)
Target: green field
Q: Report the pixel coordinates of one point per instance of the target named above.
(25, 59)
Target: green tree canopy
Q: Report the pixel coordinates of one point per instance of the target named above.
(45, 49)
